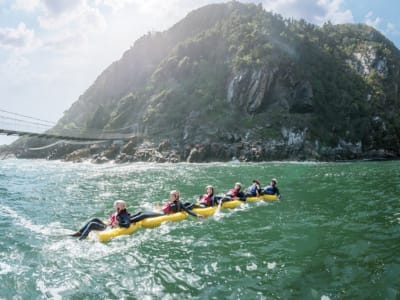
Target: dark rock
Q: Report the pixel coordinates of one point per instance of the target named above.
(164, 145)
(78, 155)
(129, 148)
(198, 154)
(379, 154)
(98, 147)
(111, 152)
(173, 157)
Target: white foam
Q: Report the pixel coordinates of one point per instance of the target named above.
(22, 221)
(55, 292)
(271, 265)
(251, 267)
(214, 266)
(5, 268)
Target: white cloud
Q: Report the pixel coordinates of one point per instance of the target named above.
(317, 12)
(392, 29)
(70, 25)
(20, 38)
(26, 5)
(16, 69)
(15, 63)
(371, 21)
(114, 4)
(57, 7)
(293, 8)
(66, 42)
(334, 13)
(80, 17)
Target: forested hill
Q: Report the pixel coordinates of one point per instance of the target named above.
(234, 80)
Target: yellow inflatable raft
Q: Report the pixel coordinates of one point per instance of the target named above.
(232, 203)
(206, 211)
(157, 221)
(263, 198)
(104, 236)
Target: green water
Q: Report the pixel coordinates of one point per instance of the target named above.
(334, 235)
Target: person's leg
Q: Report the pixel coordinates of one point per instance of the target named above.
(188, 205)
(96, 225)
(80, 231)
(217, 200)
(144, 215)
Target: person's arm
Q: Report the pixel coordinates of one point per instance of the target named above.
(258, 190)
(189, 211)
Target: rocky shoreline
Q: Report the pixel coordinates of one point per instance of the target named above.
(141, 150)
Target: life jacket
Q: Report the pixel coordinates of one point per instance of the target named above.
(253, 189)
(122, 217)
(233, 193)
(207, 199)
(172, 207)
(270, 190)
(112, 219)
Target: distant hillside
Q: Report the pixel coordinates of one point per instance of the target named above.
(234, 80)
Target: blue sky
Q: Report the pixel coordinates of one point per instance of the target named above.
(51, 51)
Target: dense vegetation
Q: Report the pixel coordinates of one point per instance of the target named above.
(234, 72)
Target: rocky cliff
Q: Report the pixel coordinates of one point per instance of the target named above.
(232, 80)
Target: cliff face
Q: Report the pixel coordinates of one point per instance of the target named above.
(234, 80)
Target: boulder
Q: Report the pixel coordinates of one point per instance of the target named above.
(111, 152)
(78, 155)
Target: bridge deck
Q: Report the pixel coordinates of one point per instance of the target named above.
(63, 137)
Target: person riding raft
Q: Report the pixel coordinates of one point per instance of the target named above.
(207, 199)
(271, 189)
(254, 190)
(120, 218)
(170, 207)
(235, 193)
(175, 205)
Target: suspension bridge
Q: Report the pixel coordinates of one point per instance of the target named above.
(15, 124)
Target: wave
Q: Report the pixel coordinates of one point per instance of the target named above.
(50, 229)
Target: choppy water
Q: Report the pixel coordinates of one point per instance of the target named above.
(334, 235)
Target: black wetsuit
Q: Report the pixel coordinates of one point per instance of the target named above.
(231, 195)
(97, 224)
(270, 190)
(211, 201)
(143, 215)
(174, 207)
(177, 206)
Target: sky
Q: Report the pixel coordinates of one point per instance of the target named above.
(51, 51)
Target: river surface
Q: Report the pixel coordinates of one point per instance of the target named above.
(335, 234)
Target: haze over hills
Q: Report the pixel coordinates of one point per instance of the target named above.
(234, 80)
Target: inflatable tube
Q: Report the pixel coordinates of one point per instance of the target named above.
(263, 198)
(104, 236)
(206, 211)
(232, 203)
(157, 221)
